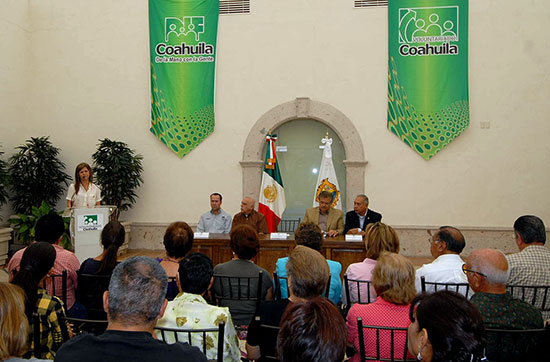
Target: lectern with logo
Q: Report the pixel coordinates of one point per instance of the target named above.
(86, 227)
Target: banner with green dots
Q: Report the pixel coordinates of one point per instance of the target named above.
(428, 103)
(183, 36)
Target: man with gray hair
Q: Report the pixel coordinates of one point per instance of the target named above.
(358, 219)
(487, 272)
(136, 299)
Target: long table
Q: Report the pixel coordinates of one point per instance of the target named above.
(216, 246)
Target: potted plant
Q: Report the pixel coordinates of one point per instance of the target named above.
(117, 171)
(36, 179)
(5, 232)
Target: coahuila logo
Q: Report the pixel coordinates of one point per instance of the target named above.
(428, 31)
(175, 29)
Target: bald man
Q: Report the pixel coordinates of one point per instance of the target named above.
(445, 246)
(251, 217)
(487, 272)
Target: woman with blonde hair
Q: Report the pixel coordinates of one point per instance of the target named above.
(379, 238)
(14, 328)
(393, 279)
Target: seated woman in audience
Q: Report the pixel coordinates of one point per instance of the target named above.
(89, 293)
(14, 328)
(308, 275)
(178, 242)
(245, 245)
(310, 235)
(36, 263)
(445, 326)
(313, 331)
(379, 238)
(393, 280)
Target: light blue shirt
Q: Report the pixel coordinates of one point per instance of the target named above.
(216, 224)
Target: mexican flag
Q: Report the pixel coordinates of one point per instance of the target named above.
(272, 195)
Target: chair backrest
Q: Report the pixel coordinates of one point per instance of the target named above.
(383, 343)
(86, 326)
(536, 295)
(195, 337)
(235, 288)
(517, 345)
(358, 291)
(462, 288)
(281, 283)
(289, 225)
(56, 284)
(90, 294)
(36, 340)
(270, 333)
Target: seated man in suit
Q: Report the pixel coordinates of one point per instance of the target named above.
(358, 219)
(329, 219)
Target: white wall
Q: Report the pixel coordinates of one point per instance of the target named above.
(88, 78)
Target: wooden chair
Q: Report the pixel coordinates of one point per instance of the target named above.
(280, 286)
(361, 285)
(53, 282)
(536, 295)
(517, 345)
(462, 288)
(90, 294)
(395, 335)
(288, 226)
(81, 326)
(178, 335)
(233, 288)
(271, 333)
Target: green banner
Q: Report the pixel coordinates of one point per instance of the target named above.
(183, 37)
(428, 104)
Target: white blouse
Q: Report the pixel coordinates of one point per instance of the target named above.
(84, 198)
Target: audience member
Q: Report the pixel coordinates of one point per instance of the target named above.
(50, 228)
(313, 331)
(445, 246)
(112, 238)
(310, 235)
(249, 216)
(216, 220)
(245, 244)
(487, 271)
(37, 261)
(14, 328)
(445, 327)
(393, 280)
(134, 303)
(329, 219)
(191, 311)
(83, 192)
(178, 242)
(361, 216)
(308, 275)
(379, 238)
(531, 265)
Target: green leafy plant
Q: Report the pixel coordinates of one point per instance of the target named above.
(25, 224)
(117, 170)
(36, 175)
(3, 181)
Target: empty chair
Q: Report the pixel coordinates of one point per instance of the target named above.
(288, 225)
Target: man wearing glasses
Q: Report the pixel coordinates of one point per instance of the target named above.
(487, 272)
(445, 246)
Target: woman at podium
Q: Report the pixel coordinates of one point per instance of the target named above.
(83, 192)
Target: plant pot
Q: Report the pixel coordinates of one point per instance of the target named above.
(5, 237)
(127, 228)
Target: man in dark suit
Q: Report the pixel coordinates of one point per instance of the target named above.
(358, 219)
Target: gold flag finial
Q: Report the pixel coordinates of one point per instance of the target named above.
(327, 133)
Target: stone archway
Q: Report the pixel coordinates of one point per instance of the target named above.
(252, 161)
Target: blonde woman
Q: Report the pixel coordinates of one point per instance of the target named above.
(379, 238)
(393, 280)
(14, 328)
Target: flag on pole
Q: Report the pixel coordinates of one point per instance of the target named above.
(327, 181)
(272, 195)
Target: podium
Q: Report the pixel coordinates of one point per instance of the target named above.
(86, 227)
